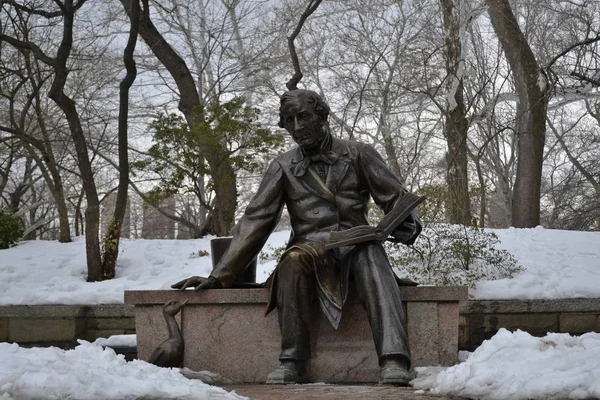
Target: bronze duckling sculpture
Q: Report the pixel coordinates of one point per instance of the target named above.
(170, 352)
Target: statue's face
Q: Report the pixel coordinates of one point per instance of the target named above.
(303, 123)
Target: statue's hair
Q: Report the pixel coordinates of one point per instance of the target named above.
(319, 105)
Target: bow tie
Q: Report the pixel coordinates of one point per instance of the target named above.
(328, 157)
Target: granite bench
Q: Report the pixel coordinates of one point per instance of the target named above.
(226, 332)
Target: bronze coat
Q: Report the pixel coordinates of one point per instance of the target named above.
(315, 208)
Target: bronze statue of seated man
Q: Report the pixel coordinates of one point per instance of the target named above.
(326, 184)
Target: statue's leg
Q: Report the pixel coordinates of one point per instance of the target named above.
(378, 292)
(295, 286)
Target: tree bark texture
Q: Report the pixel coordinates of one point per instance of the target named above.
(113, 233)
(67, 105)
(456, 124)
(532, 89)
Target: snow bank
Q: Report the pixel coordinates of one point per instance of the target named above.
(516, 365)
(88, 373)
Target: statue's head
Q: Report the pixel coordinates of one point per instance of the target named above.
(303, 113)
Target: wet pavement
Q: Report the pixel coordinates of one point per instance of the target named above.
(324, 391)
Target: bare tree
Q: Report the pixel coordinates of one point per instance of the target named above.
(28, 125)
(59, 64)
(365, 64)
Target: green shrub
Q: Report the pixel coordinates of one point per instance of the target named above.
(11, 228)
(448, 254)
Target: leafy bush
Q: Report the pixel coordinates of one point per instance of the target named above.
(11, 228)
(448, 254)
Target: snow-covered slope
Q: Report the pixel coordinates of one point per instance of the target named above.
(558, 264)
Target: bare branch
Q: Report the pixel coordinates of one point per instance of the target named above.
(292, 84)
(29, 10)
(18, 44)
(574, 160)
(587, 79)
(571, 47)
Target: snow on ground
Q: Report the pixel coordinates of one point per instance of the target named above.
(48, 272)
(516, 365)
(117, 341)
(90, 372)
(558, 264)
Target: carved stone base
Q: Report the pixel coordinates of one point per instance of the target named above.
(226, 332)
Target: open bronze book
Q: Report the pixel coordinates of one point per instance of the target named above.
(364, 233)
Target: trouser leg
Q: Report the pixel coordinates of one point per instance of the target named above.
(378, 292)
(295, 286)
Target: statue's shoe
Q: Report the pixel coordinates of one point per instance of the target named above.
(285, 375)
(395, 375)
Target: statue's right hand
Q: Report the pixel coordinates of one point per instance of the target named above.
(198, 282)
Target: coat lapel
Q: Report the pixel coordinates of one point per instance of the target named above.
(338, 170)
(309, 179)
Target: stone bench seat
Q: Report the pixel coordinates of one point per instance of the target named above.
(225, 331)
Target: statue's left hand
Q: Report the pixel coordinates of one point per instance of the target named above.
(199, 282)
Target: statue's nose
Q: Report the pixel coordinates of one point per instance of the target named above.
(297, 125)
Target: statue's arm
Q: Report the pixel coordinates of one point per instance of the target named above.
(253, 229)
(385, 189)
(249, 235)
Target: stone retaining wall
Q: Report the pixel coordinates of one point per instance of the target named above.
(481, 319)
(58, 325)
(55, 325)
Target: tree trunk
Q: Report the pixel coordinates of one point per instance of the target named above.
(34, 232)
(55, 184)
(67, 105)
(456, 124)
(64, 229)
(532, 89)
(92, 211)
(113, 233)
(392, 156)
(383, 126)
(482, 189)
(79, 225)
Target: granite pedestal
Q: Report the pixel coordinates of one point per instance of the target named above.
(226, 332)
